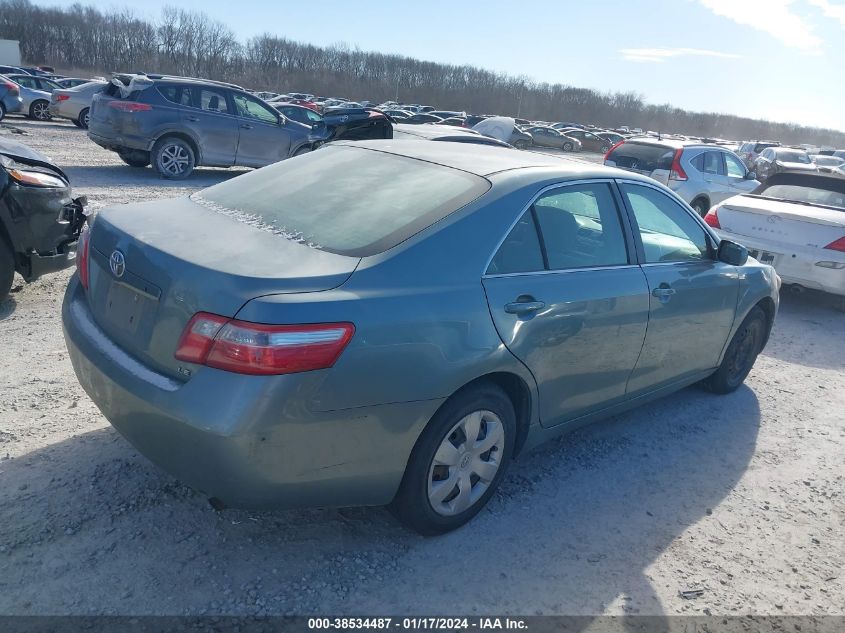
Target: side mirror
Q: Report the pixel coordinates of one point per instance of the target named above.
(732, 253)
(751, 175)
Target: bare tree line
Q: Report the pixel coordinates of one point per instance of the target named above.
(190, 43)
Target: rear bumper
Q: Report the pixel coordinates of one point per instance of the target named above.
(797, 265)
(251, 442)
(120, 142)
(13, 104)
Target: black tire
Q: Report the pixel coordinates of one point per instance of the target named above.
(741, 354)
(305, 149)
(135, 158)
(173, 158)
(83, 118)
(700, 206)
(521, 144)
(2, 112)
(567, 147)
(7, 269)
(76, 122)
(40, 110)
(412, 505)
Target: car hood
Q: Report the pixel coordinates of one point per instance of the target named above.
(13, 149)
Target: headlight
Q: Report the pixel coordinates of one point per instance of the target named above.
(25, 175)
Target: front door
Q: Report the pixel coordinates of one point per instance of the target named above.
(263, 140)
(568, 299)
(692, 295)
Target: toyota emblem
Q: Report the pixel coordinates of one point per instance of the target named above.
(117, 263)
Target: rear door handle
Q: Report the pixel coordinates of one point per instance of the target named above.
(524, 307)
(193, 118)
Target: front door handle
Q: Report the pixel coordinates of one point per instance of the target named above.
(246, 126)
(663, 292)
(193, 118)
(521, 306)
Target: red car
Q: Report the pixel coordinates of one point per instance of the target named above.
(305, 104)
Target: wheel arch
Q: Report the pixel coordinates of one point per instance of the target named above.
(701, 196)
(190, 140)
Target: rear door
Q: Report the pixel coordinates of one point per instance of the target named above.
(208, 114)
(692, 296)
(262, 139)
(568, 300)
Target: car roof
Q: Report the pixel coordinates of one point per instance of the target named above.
(485, 160)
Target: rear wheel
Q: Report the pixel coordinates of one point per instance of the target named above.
(40, 110)
(135, 158)
(2, 112)
(7, 270)
(741, 354)
(302, 150)
(84, 118)
(458, 461)
(76, 122)
(567, 147)
(701, 206)
(521, 144)
(172, 158)
(604, 149)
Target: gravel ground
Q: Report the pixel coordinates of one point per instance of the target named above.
(741, 495)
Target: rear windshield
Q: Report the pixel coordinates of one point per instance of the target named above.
(809, 195)
(642, 156)
(345, 200)
(792, 157)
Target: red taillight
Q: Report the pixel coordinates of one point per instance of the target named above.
(82, 255)
(676, 171)
(130, 106)
(62, 97)
(260, 349)
(610, 151)
(10, 86)
(838, 245)
(712, 218)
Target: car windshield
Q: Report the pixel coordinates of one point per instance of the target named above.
(345, 200)
(793, 157)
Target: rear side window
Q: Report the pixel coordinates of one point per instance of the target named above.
(180, 95)
(642, 156)
(345, 200)
(580, 227)
(520, 252)
(213, 101)
(709, 163)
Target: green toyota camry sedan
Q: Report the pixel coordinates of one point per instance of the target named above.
(392, 322)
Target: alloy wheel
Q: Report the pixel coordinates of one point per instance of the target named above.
(41, 111)
(174, 159)
(466, 462)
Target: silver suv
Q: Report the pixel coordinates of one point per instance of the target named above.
(702, 174)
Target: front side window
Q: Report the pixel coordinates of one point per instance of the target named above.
(668, 231)
(734, 166)
(252, 108)
(580, 227)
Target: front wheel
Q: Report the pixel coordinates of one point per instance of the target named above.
(604, 149)
(2, 111)
(741, 354)
(172, 158)
(40, 110)
(521, 145)
(567, 147)
(458, 461)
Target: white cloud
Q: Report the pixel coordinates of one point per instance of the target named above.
(653, 55)
(774, 17)
(834, 11)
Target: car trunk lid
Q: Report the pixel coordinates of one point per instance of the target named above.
(782, 222)
(154, 265)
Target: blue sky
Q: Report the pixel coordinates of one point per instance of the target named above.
(775, 59)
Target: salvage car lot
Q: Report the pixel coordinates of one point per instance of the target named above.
(740, 496)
